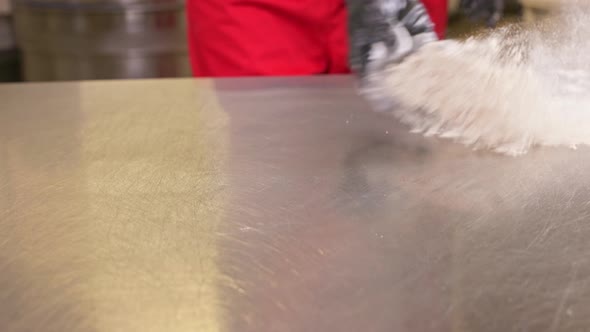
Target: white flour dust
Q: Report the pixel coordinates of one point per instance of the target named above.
(508, 91)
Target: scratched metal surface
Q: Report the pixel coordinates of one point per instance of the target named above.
(275, 205)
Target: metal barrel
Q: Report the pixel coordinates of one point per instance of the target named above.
(106, 39)
(8, 55)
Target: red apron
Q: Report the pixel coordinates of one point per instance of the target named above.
(275, 37)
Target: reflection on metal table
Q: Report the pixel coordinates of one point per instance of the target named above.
(275, 205)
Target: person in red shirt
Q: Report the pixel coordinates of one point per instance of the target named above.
(308, 37)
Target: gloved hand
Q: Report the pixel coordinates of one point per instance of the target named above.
(488, 10)
(385, 31)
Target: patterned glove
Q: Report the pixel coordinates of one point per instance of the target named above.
(385, 31)
(488, 10)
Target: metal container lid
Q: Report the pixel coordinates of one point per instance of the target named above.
(97, 4)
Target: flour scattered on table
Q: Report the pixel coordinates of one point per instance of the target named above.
(508, 91)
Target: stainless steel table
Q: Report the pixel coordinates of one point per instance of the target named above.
(275, 205)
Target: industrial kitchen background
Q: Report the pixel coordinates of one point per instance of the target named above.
(53, 40)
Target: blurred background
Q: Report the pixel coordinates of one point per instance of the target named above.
(53, 40)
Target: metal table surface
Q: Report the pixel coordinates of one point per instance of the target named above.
(275, 205)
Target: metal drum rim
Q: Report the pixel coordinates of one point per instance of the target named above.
(94, 5)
